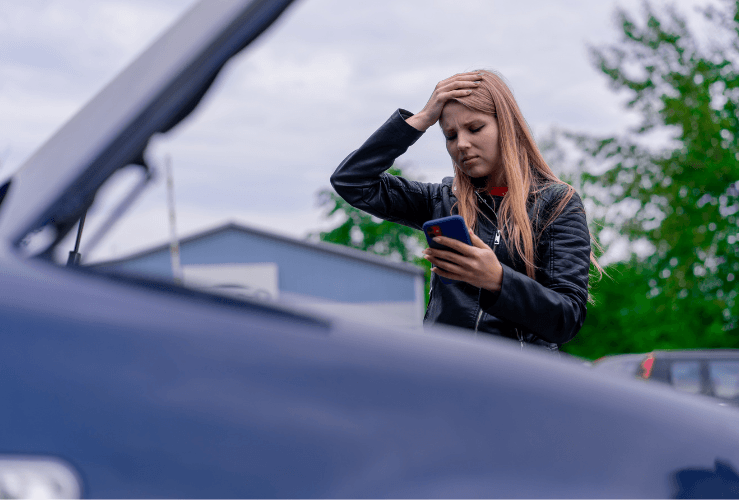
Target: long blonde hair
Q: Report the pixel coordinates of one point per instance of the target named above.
(526, 173)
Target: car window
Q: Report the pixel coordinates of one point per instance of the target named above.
(725, 378)
(686, 376)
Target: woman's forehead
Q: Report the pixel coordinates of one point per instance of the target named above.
(456, 113)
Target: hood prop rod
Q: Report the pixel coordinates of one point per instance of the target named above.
(75, 255)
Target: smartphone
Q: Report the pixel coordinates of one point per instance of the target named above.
(451, 227)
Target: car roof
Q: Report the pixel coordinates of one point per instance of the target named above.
(697, 354)
(618, 358)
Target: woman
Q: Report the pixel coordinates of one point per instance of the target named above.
(534, 287)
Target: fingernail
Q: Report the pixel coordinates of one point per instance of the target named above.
(436, 238)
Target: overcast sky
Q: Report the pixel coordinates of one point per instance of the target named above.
(289, 108)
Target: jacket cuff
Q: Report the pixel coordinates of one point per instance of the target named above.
(405, 133)
(489, 299)
(509, 302)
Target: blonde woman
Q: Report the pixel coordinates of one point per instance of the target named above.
(526, 275)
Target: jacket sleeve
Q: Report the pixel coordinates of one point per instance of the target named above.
(361, 179)
(553, 306)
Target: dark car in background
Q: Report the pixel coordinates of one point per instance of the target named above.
(121, 386)
(708, 372)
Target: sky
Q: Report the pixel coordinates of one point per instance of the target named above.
(289, 108)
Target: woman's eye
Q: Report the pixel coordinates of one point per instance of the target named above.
(473, 130)
(450, 137)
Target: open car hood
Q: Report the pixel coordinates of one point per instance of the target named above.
(161, 87)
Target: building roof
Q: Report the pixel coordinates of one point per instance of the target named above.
(329, 248)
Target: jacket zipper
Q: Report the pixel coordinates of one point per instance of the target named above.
(496, 242)
(520, 337)
(477, 323)
(519, 334)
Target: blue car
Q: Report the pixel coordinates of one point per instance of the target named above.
(118, 386)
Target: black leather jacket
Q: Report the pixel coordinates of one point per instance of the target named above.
(547, 311)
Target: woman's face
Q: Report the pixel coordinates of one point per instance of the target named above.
(472, 140)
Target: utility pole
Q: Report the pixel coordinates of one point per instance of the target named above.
(174, 244)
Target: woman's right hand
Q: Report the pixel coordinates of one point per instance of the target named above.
(459, 85)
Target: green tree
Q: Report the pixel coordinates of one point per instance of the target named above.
(672, 182)
(362, 231)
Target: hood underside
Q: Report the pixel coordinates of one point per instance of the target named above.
(54, 188)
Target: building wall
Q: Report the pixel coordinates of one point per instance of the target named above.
(307, 276)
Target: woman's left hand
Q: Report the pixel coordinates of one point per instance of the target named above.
(475, 264)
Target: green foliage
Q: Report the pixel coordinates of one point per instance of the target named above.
(681, 195)
(628, 318)
(364, 232)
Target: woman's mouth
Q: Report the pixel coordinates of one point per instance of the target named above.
(467, 159)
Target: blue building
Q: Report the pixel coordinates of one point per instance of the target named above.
(334, 279)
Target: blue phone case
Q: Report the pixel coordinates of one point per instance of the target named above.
(451, 227)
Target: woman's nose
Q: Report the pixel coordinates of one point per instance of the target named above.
(463, 142)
